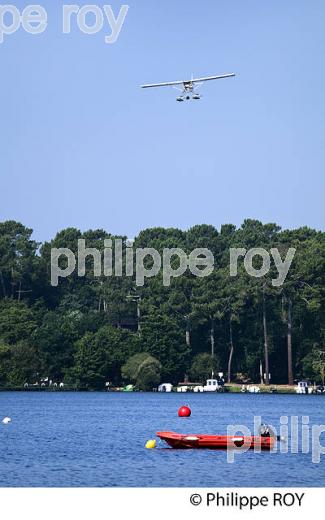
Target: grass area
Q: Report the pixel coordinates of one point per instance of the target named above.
(278, 389)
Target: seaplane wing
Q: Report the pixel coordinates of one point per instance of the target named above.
(187, 81)
(168, 84)
(210, 78)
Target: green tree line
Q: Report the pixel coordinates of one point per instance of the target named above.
(91, 330)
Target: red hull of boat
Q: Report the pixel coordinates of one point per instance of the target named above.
(214, 442)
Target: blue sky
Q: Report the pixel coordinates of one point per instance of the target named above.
(81, 145)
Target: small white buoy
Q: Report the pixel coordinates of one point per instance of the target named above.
(6, 420)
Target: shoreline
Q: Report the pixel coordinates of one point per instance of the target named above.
(228, 389)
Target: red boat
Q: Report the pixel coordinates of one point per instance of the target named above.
(214, 442)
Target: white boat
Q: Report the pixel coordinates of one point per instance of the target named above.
(182, 388)
(304, 387)
(252, 389)
(212, 386)
(165, 387)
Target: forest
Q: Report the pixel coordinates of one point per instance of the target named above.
(90, 330)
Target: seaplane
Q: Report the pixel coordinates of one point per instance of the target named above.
(189, 87)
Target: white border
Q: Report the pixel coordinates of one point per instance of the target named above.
(148, 503)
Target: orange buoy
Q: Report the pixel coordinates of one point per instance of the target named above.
(184, 411)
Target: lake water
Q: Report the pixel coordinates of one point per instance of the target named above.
(98, 439)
